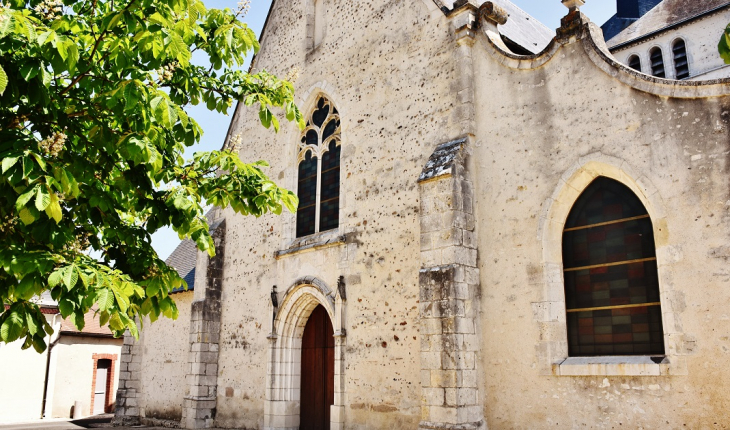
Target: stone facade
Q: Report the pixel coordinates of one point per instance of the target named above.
(444, 281)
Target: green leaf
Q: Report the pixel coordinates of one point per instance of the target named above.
(72, 58)
(3, 85)
(39, 344)
(46, 37)
(53, 210)
(164, 113)
(13, 326)
(65, 307)
(70, 276)
(105, 299)
(26, 216)
(55, 278)
(180, 49)
(9, 161)
(42, 199)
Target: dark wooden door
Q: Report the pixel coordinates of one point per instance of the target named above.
(318, 372)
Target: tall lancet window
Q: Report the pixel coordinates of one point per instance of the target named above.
(611, 281)
(319, 171)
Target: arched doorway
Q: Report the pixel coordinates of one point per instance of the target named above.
(318, 371)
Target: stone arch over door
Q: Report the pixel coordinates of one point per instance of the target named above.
(283, 375)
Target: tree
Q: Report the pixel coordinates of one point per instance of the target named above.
(724, 46)
(92, 132)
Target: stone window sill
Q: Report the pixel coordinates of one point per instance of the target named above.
(612, 366)
(321, 240)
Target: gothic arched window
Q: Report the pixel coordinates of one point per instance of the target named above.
(610, 272)
(319, 171)
(681, 66)
(635, 63)
(656, 58)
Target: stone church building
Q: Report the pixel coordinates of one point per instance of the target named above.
(501, 226)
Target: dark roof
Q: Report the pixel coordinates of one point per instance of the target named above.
(442, 160)
(667, 14)
(183, 259)
(627, 13)
(185, 256)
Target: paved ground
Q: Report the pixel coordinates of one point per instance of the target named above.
(103, 421)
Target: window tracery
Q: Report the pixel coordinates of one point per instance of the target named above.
(319, 171)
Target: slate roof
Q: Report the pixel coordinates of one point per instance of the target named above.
(521, 28)
(185, 256)
(442, 160)
(666, 14)
(627, 16)
(183, 259)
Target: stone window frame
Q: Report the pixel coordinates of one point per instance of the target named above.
(550, 312)
(307, 103)
(283, 370)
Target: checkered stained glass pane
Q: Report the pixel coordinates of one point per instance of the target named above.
(330, 188)
(307, 193)
(611, 281)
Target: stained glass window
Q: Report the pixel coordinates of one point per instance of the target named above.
(319, 171)
(611, 281)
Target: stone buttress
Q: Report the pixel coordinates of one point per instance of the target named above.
(449, 293)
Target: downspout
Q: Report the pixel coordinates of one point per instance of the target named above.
(48, 365)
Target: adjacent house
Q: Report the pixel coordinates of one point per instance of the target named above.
(78, 370)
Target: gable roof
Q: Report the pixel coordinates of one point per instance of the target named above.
(521, 28)
(666, 14)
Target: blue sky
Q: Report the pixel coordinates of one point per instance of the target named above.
(215, 125)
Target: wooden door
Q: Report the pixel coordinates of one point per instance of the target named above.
(102, 375)
(318, 372)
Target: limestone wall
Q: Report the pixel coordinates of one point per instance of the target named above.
(543, 134)
(164, 365)
(384, 65)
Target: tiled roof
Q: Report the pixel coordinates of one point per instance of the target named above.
(665, 14)
(91, 327)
